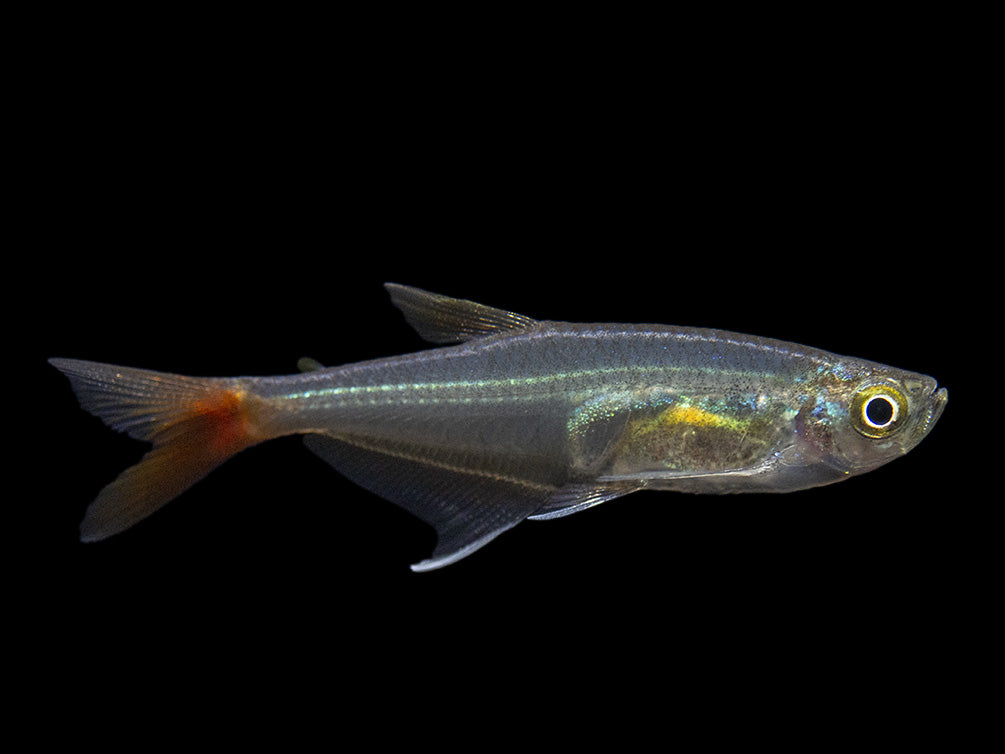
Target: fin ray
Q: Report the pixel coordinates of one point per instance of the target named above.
(441, 319)
(575, 498)
(194, 423)
(466, 508)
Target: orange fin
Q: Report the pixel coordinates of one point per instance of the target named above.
(194, 423)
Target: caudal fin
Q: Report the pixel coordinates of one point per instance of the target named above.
(194, 423)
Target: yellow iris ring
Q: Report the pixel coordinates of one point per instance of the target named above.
(862, 403)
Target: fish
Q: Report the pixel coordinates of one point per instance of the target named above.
(510, 418)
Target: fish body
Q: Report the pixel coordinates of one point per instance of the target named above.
(518, 418)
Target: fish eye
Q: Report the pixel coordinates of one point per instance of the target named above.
(878, 410)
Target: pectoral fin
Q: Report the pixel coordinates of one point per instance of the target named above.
(573, 499)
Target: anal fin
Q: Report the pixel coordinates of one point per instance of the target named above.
(468, 508)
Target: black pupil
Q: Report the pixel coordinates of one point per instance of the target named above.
(879, 411)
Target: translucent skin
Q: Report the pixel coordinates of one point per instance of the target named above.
(522, 419)
(659, 406)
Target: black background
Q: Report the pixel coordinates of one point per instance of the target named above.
(230, 215)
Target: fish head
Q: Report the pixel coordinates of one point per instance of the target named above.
(865, 415)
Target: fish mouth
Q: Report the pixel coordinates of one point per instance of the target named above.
(936, 404)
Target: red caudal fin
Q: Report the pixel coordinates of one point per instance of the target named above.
(194, 423)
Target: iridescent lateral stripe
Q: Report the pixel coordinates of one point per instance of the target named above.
(534, 387)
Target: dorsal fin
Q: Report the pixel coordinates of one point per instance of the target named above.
(441, 319)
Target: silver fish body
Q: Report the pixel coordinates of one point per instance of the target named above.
(526, 419)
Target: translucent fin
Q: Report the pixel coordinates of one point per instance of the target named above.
(573, 499)
(195, 424)
(307, 364)
(441, 319)
(468, 509)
